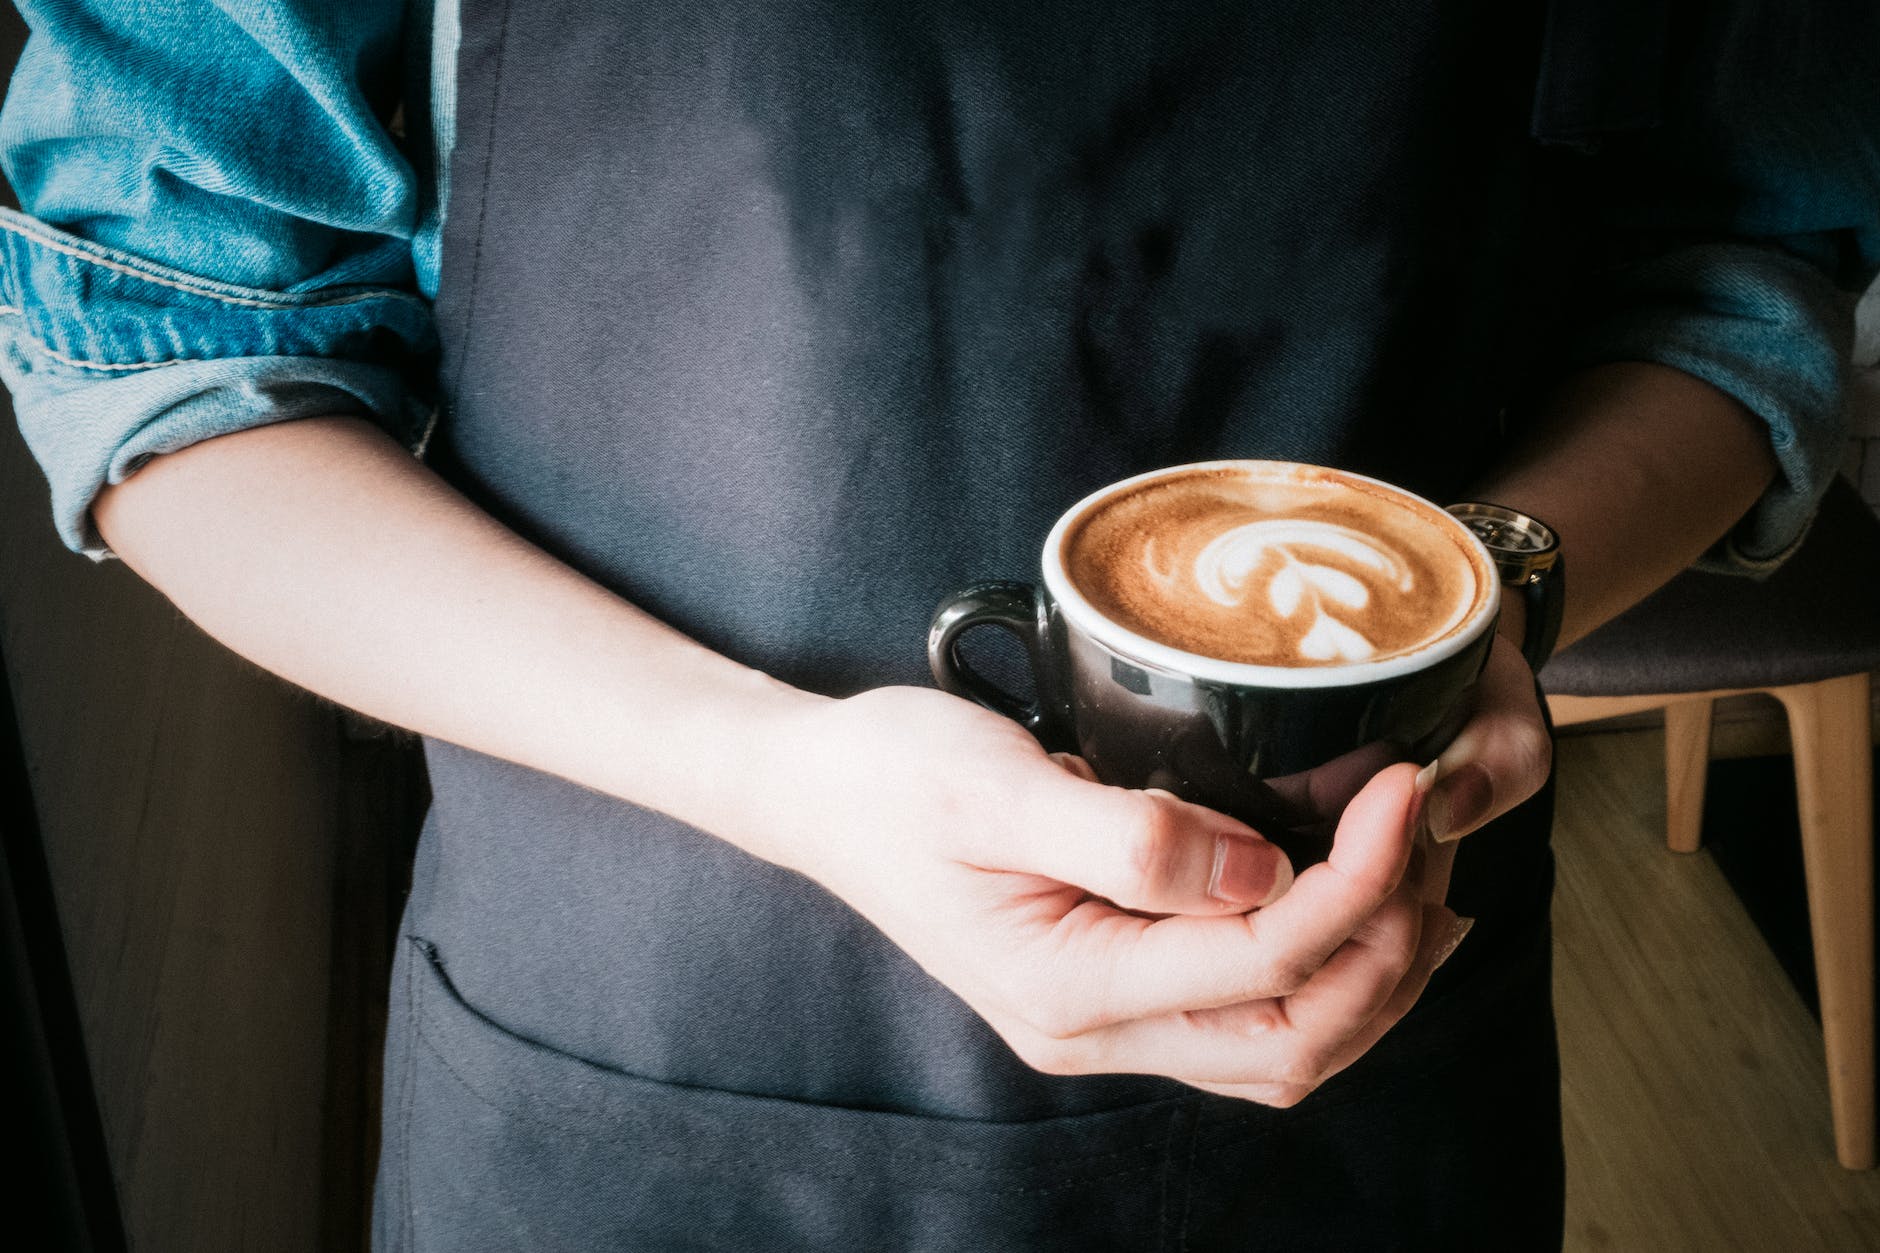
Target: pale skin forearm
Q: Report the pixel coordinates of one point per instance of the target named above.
(323, 552)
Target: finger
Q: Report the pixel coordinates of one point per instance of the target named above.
(1438, 862)
(1276, 1095)
(1138, 968)
(1431, 864)
(1267, 1041)
(1144, 851)
(1328, 788)
(1443, 931)
(1075, 765)
(1361, 977)
(1501, 757)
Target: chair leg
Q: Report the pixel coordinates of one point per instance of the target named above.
(1687, 766)
(1834, 785)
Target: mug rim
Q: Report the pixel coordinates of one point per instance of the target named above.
(1139, 648)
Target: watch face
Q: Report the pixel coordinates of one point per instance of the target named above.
(1504, 530)
(1511, 537)
(1522, 547)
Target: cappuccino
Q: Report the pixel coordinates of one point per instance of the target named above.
(1276, 564)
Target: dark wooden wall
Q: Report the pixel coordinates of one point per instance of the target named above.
(227, 858)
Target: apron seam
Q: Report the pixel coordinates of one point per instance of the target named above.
(430, 954)
(408, 1082)
(758, 1160)
(483, 196)
(1188, 1172)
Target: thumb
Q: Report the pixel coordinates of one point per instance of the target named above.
(1501, 757)
(1148, 850)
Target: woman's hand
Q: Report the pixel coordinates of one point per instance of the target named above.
(1098, 929)
(1501, 757)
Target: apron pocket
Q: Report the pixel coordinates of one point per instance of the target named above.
(497, 1141)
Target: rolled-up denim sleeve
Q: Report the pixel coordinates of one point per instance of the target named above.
(1736, 235)
(216, 232)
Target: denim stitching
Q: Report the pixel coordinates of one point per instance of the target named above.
(42, 346)
(194, 289)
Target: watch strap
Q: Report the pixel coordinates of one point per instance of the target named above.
(1545, 593)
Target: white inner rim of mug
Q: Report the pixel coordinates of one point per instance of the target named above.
(1139, 648)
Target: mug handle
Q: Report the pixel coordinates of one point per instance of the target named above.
(1016, 608)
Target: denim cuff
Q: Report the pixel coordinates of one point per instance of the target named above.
(113, 359)
(1769, 329)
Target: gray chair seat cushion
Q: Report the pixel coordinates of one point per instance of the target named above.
(1817, 617)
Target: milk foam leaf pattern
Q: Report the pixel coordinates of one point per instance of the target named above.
(1338, 585)
(1329, 640)
(1300, 547)
(1284, 592)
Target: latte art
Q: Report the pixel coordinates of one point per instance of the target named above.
(1300, 564)
(1287, 571)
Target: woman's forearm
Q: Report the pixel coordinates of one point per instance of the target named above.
(1640, 468)
(323, 552)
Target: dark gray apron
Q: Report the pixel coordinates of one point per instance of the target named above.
(786, 317)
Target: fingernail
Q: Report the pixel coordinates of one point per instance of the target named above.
(1460, 803)
(1457, 930)
(1245, 875)
(1419, 804)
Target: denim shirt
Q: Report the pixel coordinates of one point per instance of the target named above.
(225, 225)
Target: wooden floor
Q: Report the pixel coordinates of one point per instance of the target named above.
(1695, 1094)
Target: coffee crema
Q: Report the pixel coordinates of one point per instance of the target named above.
(1300, 566)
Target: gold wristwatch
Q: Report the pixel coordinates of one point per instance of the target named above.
(1526, 551)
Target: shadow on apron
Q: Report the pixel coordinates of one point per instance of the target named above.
(639, 1164)
(496, 1141)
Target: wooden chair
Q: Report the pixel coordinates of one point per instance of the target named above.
(1809, 636)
